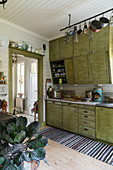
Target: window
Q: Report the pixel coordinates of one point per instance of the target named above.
(33, 68)
(20, 79)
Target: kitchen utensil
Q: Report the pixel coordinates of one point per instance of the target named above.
(103, 21)
(89, 32)
(67, 38)
(75, 37)
(72, 32)
(79, 32)
(95, 26)
(85, 28)
(111, 19)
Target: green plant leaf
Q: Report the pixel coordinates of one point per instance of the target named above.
(20, 137)
(18, 158)
(2, 128)
(8, 139)
(21, 167)
(25, 157)
(21, 123)
(11, 127)
(2, 160)
(9, 150)
(37, 154)
(37, 143)
(32, 129)
(10, 166)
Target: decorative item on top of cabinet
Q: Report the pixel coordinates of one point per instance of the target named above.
(58, 72)
(82, 46)
(100, 40)
(81, 72)
(104, 124)
(99, 69)
(66, 50)
(69, 71)
(54, 50)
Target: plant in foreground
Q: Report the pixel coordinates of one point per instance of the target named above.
(19, 143)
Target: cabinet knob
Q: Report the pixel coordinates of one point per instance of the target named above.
(76, 110)
(85, 111)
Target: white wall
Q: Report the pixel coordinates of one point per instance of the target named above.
(18, 34)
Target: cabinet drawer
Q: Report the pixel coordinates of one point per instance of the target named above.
(87, 123)
(54, 102)
(86, 117)
(87, 131)
(87, 107)
(87, 112)
(70, 104)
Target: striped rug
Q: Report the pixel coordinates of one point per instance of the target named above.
(81, 144)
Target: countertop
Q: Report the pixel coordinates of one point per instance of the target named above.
(93, 103)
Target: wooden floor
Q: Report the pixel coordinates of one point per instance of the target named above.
(63, 158)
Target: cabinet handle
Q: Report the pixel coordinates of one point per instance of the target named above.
(85, 111)
(76, 110)
(102, 109)
(85, 122)
(85, 129)
(86, 116)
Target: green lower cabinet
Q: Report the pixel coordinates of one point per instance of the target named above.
(69, 71)
(99, 68)
(81, 72)
(54, 114)
(104, 124)
(70, 119)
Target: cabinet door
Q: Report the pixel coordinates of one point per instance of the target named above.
(100, 40)
(104, 124)
(99, 68)
(70, 119)
(66, 50)
(69, 71)
(54, 50)
(54, 113)
(82, 46)
(81, 69)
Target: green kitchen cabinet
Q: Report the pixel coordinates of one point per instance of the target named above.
(69, 71)
(100, 40)
(70, 118)
(54, 113)
(99, 68)
(82, 46)
(104, 124)
(81, 72)
(66, 49)
(54, 50)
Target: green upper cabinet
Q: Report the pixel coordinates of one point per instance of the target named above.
(100, 40)
(99, 68)
(104, 124)
(82, 46)
(69, 71)
(81, 72)
(54, 50)
(66, 50)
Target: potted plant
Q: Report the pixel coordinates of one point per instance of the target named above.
(19, 143)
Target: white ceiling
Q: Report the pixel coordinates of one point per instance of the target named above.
(47, 17)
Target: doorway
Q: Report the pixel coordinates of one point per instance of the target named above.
(40, 80)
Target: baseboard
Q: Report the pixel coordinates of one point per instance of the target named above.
(42, 124)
